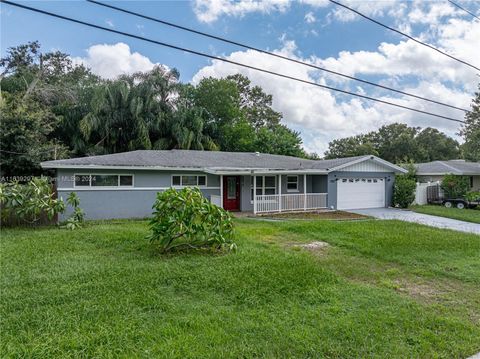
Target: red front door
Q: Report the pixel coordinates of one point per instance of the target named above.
(231, 193)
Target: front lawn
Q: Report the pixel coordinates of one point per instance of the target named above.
(377, 289)
(468, 215)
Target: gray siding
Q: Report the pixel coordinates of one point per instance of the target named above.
(133, 202)
(142, 178)
(332, 184)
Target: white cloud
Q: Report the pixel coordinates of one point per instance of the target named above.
(321, 115)
(369, 8)
(309, 17)
(431, 13)
(211, 10)
(110, 61)
(408, 58)
(109, 23)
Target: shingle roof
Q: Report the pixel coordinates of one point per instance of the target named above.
(458, 167)
(202, 160)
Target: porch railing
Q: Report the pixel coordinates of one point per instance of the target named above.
(289, 202)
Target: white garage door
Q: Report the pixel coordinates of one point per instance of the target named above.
(360, 192)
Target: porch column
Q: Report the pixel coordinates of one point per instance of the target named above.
(221, 191)
(279, 193)
(304, 191)
(254, 194)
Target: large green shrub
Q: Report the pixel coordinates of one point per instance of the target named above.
(35, 203)
(186, 219)
(29, 203)
(404, 191)
(455, 186)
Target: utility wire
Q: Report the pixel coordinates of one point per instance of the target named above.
(269, 53)
(462, 8)
(27, 154)
(404, 34)
(226, 60)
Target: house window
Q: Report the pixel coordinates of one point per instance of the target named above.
(103, 180)
(471, 181)
(292, 183)
(189, 180)
(126, 180)
(266, 185)
(82, 180)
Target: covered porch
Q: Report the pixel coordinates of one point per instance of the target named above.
(267, 192)
(294, 194)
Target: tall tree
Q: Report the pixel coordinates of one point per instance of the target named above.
(25, 136)
(433, 145)
(470, 131)
(255, 103)
(118, 121)
(397, 143)
(351, 146)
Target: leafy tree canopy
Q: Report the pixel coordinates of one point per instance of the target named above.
(398, 143)
(471, 131)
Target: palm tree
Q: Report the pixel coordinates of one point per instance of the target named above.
(185, 130)
(119, 119)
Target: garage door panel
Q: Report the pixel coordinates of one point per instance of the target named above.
(360, 193)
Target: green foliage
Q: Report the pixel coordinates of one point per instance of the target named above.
(404, 191)
(186, 219)
(396, 143)
(470, 131)
(433, 145)
(25, 135)
(77, 218)
(473, 196)
(455, 186)
(28, 203)
(52, 108)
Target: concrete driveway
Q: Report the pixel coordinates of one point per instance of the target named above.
(429, 220)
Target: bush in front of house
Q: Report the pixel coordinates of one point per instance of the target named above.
(77, 218)
(404, 191)
(185, 219)
(32, 203)
(455, 186)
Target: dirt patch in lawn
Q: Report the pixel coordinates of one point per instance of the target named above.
(312, 246)
(318, 215)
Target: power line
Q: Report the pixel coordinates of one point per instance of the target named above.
(270, 53)
(404, 34)
(462, 8)
(226, 60)
(26, 154)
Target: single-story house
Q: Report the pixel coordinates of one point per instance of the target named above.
(124, 185)
(434, 171)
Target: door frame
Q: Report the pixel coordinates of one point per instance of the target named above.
(226, 202)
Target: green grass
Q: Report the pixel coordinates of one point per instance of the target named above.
(468, 215)
(380, 289)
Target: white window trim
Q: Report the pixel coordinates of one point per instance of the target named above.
(296, 182)
(189, 174)
(103, 174)
(262, 187)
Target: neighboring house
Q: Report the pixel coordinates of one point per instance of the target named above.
(434, 171)
(124, 185)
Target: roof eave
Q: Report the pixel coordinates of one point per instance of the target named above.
(396, 169)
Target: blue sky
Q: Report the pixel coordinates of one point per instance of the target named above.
(309, 30)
